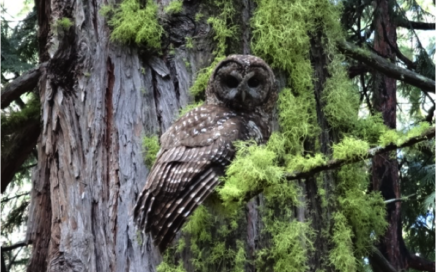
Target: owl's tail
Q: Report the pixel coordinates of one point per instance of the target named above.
(141, 211)
(164, 217)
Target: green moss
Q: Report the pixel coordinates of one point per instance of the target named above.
(224, 29)
(341, 256)
(303, 164)
(198, 16)
(340, 96)
(64, 23)
(296, 118)
(350, 148)
(370, 129)
(133, 23)
(361, 215)
(291, 244)
(253, 167)
(167, 266)
(189, 43)
(203, 76)
(174, 7)
(151, 147)
(390, 137)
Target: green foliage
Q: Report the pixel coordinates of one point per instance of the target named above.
(174, 7)
(18, 46)
(303, 164)
(133, 23)
(151, 147)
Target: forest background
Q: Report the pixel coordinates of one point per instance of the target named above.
(345, 184)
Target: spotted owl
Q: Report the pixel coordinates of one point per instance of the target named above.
(195, 150)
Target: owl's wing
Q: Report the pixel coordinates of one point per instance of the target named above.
(194, 152)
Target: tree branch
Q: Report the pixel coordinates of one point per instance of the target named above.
(14, 246)
(6, 199)
(384, 66)
(21, 85)
(336, 163)
(416, 25)
(379, 262)
(419, 263)
(25, 140)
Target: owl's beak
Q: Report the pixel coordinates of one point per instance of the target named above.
(243, 86)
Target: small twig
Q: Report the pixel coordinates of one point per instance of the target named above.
(12, 197)
(393, 200)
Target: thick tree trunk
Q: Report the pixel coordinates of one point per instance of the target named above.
(98, 100)
(385, 167)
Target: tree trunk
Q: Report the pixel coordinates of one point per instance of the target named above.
(384, 166)
(99, 99)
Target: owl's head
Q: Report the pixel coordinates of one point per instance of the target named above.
(243, 83)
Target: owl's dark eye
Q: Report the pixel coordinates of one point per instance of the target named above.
(231, 82)
(253, 82)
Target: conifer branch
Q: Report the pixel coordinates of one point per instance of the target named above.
(386, 67)
(22, 84)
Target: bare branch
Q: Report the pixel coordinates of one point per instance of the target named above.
(6, 199)
(379, 262)
(14, 246)
(416, 25)
(21, 85)
(384, 66)
(419, 263)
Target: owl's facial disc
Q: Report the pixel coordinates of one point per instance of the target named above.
(244, 92)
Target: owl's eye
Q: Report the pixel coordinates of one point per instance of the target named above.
(253, 82)
(231, 82)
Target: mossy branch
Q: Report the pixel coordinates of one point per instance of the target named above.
(336, 163)
(22, 84)
(384, 66)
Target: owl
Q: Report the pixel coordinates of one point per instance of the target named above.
(195, 150)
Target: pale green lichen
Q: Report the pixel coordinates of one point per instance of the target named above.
(350, 148)
(133, 23)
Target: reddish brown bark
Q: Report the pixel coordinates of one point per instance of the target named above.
(385, 166)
